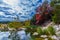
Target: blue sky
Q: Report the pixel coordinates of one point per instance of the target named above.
(25, 9)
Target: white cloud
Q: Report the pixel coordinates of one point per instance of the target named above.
(11, 16)
(11, 11)
(11, 2)
(2, 13)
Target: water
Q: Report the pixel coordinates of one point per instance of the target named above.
(4, 35)
(20, 34)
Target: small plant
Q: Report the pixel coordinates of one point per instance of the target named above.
(45, 32)
(51, 30)
(49, 38)
(27, 23)
(30, 29)
(39, 31)
(15, 25)
(39, 38)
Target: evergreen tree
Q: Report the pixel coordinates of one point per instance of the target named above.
(33, 20)
(56, 6)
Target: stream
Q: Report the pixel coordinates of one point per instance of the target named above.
(20, 35)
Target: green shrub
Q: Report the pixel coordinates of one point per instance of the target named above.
(45, 32)
(51, 30)
(49, 38)
(15, 25)
(31, 29)
(39, 30)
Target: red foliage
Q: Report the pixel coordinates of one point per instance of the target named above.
(40, 12)
(38, 17)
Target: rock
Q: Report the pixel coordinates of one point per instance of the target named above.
(58, 33)
(54, 37)
(35, 33)
(44, 36)
(56, 28)
(23, 28)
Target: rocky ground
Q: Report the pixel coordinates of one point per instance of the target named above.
(57, 29)
(49, 23)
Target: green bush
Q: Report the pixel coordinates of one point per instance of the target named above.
(31, 29)
(15, 25)
(45, 32)
(56, 17)
(51, 30)
(39, 30)
(56, 12)
(49, 38)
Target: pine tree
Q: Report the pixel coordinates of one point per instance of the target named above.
(33, 20)
(56, 6)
